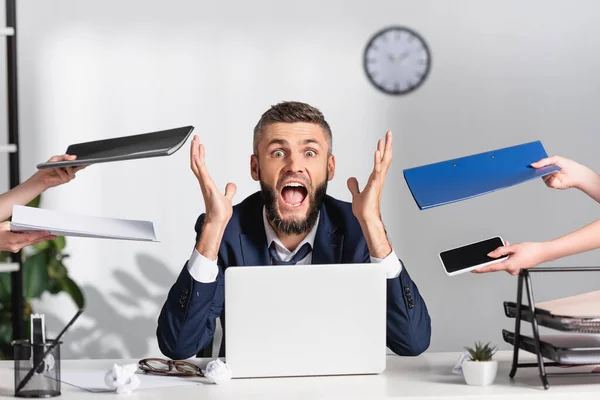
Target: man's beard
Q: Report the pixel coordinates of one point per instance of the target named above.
(293, 226)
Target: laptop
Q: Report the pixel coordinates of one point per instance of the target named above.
(305, 320)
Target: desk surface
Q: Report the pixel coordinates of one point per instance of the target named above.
(428, 375)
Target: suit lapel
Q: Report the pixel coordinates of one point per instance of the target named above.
(253, 239)
(327, 249)
(329, 243)
(254, 248)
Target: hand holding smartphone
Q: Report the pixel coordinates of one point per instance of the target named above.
(472, 256)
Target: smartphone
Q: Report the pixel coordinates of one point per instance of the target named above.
(471, 256)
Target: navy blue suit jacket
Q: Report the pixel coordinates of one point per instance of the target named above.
(187, 320)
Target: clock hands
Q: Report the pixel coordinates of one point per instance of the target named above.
(399, 58)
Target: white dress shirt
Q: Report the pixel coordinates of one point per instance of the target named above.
(205, 270)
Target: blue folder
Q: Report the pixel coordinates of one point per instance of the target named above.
(450, 181)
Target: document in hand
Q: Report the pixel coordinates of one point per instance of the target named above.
(462, 178)
(30, 219)
(153, 144)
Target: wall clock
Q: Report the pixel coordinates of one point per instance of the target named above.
(397, 60)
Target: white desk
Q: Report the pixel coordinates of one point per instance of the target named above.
(428, 375)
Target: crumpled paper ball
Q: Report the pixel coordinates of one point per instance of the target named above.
(465, 356)
(218, 372)
(122, 378)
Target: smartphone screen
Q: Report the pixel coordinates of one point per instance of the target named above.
(470, 255)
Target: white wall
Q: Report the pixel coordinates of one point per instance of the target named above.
(504, 72)
(4, 175)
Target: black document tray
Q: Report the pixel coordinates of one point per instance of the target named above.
(558, 322)
(564, 349)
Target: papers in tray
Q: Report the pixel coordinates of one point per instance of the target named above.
(30, 219)
(585, 305)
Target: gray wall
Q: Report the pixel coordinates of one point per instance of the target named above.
(504, 72)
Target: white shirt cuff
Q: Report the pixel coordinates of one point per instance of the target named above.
(202, 269)
(392, 265)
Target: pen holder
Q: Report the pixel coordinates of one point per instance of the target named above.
(45, 381)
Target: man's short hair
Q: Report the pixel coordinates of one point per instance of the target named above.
(290, 112)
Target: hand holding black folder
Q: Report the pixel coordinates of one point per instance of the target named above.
(154, 144)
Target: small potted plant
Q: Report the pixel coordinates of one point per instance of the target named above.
(480, 370)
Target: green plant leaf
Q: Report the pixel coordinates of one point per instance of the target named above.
(6, 350)
(5, 256)
(6, 332)
(41, 246)
(5, 288)
(60, 243)
(74, 291)
(54, 286)
(481, 352)
(56, 269)
(61, 270)
(35, 202)
(35, 276)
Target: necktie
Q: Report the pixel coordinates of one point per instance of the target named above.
(300, 254)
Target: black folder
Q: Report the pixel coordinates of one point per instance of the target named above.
(153, 144)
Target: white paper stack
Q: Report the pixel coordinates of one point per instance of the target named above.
(31, 219)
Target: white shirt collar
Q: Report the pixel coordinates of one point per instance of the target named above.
(272, 236)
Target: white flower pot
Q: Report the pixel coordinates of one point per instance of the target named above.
(479, 373)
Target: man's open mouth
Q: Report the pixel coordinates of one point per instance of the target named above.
(293, 194)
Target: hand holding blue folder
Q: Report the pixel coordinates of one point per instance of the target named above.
(462, 178)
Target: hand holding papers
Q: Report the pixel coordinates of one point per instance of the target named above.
(14, 242)
(30, 219)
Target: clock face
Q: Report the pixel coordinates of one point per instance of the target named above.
(397, 60)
